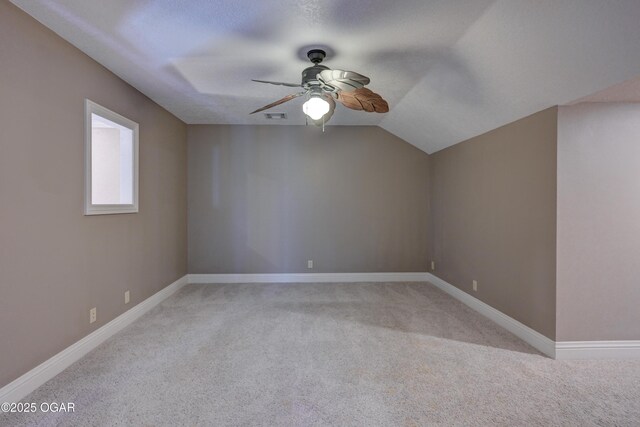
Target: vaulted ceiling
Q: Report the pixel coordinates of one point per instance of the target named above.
(450, 69)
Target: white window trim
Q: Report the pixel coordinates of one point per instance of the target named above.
(91, 107)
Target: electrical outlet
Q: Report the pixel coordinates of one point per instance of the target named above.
(433, 266)
(475, 285)
(127, 297)
(93, 315)
(310, 263)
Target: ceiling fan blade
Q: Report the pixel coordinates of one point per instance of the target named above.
(335, 80)
(279, 101)
(363, 99)
(277, 83)
(328, 115)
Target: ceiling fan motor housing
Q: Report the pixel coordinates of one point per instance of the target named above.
(309, 75)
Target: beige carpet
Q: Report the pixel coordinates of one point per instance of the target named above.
(390, 354)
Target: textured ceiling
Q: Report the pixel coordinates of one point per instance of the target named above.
(450, 69)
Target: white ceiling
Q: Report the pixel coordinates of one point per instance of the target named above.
(450, 69)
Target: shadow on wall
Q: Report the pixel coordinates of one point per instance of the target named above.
(265, 199)
(263, 217)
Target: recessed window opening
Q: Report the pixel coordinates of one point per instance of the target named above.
(111, 162)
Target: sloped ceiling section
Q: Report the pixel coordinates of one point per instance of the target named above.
(450, 69)
(518, 58)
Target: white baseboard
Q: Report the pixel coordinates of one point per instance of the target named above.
(307, 277)
(542, 343)
(561, 350)
(22, 386)
(597, 350)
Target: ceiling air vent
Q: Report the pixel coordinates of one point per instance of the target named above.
(275, 116)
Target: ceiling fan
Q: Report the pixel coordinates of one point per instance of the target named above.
(323, 86)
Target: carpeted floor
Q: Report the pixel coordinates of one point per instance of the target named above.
(366, 354)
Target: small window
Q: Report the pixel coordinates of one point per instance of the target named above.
(111, 162)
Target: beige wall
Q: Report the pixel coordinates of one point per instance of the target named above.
(56, 263)
(493, 218)
(265, 199)
(599, 222)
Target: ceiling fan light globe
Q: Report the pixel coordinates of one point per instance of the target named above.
(316, 107)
